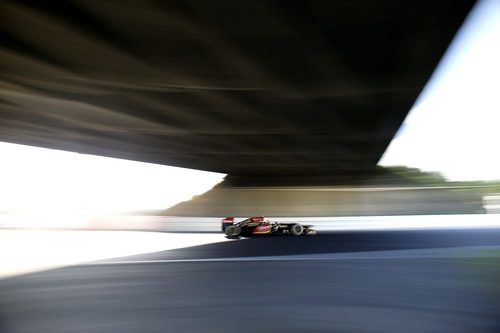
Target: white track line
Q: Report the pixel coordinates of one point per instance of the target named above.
(436, 253)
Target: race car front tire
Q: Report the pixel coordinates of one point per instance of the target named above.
(296, 229)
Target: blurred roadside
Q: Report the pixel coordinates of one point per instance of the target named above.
(391, 198)
(26, 251)
(388, 191)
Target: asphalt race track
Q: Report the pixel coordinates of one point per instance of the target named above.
(412, 281)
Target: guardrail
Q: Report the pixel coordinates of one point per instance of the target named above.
(321, 224)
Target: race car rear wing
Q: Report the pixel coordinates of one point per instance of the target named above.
(227, 222)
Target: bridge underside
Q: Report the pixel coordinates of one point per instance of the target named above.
(248, 88)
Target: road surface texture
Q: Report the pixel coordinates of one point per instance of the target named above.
(412, 281)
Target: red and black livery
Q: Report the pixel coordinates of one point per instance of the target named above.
(258, 225)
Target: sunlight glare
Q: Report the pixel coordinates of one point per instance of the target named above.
(49, 181)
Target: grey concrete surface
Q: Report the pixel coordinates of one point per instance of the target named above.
(400, 294)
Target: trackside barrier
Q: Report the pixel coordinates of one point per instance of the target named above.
(213, 224)
(321, 224)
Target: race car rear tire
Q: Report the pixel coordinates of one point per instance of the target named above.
(296, 229)
(233, 231)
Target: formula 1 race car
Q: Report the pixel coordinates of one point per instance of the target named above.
(258, 225)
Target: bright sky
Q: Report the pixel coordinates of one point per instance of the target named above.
(454, 127)
(46, 180)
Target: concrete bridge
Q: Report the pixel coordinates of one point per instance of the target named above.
(247, 88)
